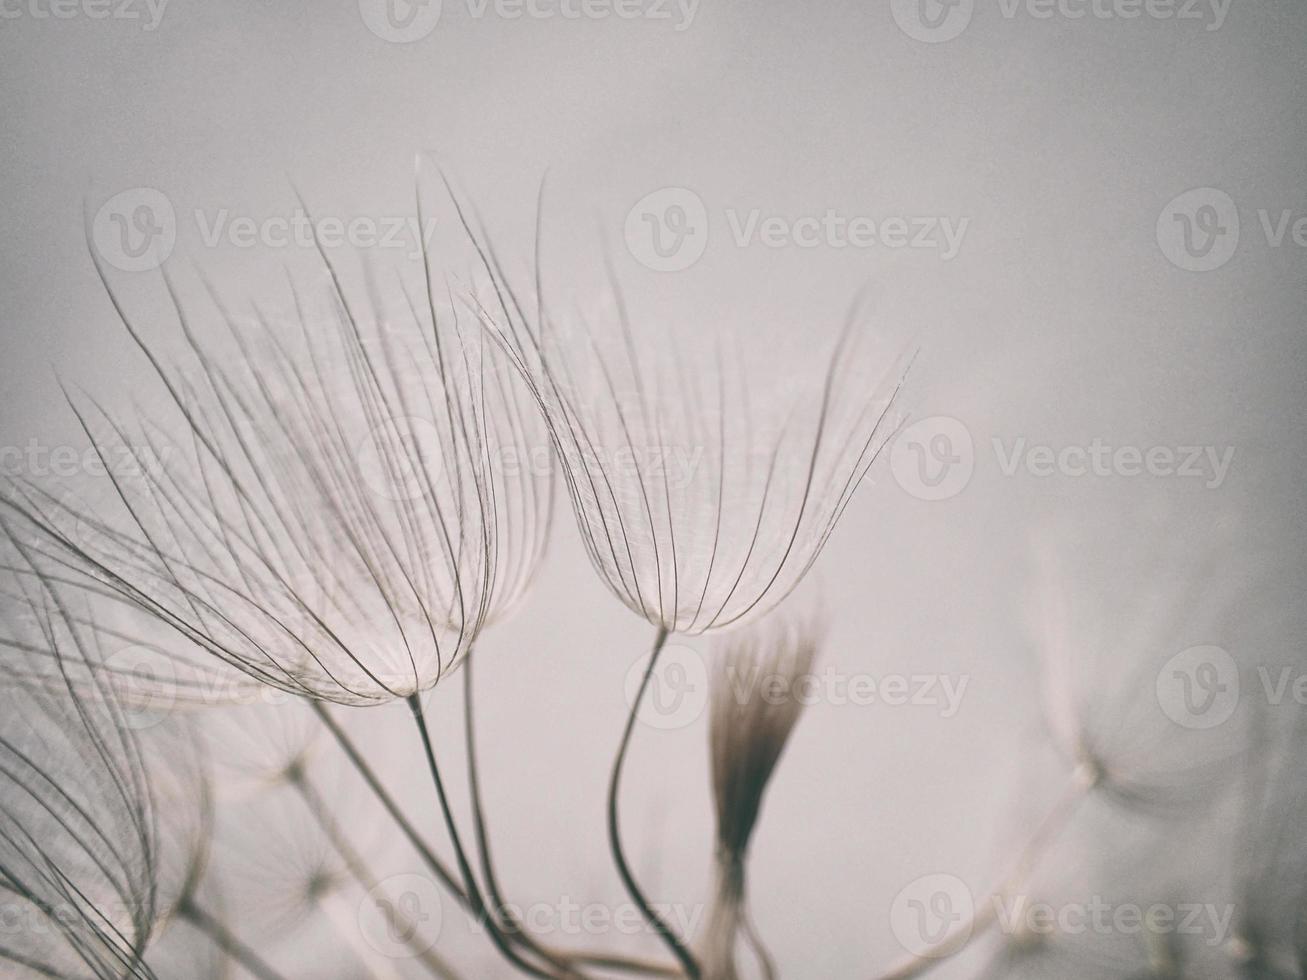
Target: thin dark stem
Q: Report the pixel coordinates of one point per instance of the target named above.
(225, 941)
(766, 963)
(474, 895)
(682, 954)
(392, 808)
(499, 908)
(556, 957)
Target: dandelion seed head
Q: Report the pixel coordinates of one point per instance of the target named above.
(333, 517)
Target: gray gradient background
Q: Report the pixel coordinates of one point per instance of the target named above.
(1059, 321)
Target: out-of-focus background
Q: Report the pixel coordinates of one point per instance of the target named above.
(1090, 217)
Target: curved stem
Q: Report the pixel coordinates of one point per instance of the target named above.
(561, 959)
(678, 948)
(222, 937)
(391, 807)
(498, 907)
(474, 896)
(766, 963)
(986, 910)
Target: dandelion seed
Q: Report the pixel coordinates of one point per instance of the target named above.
(335, 518)
(82, 872)
(697, 509)
(748, 731)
